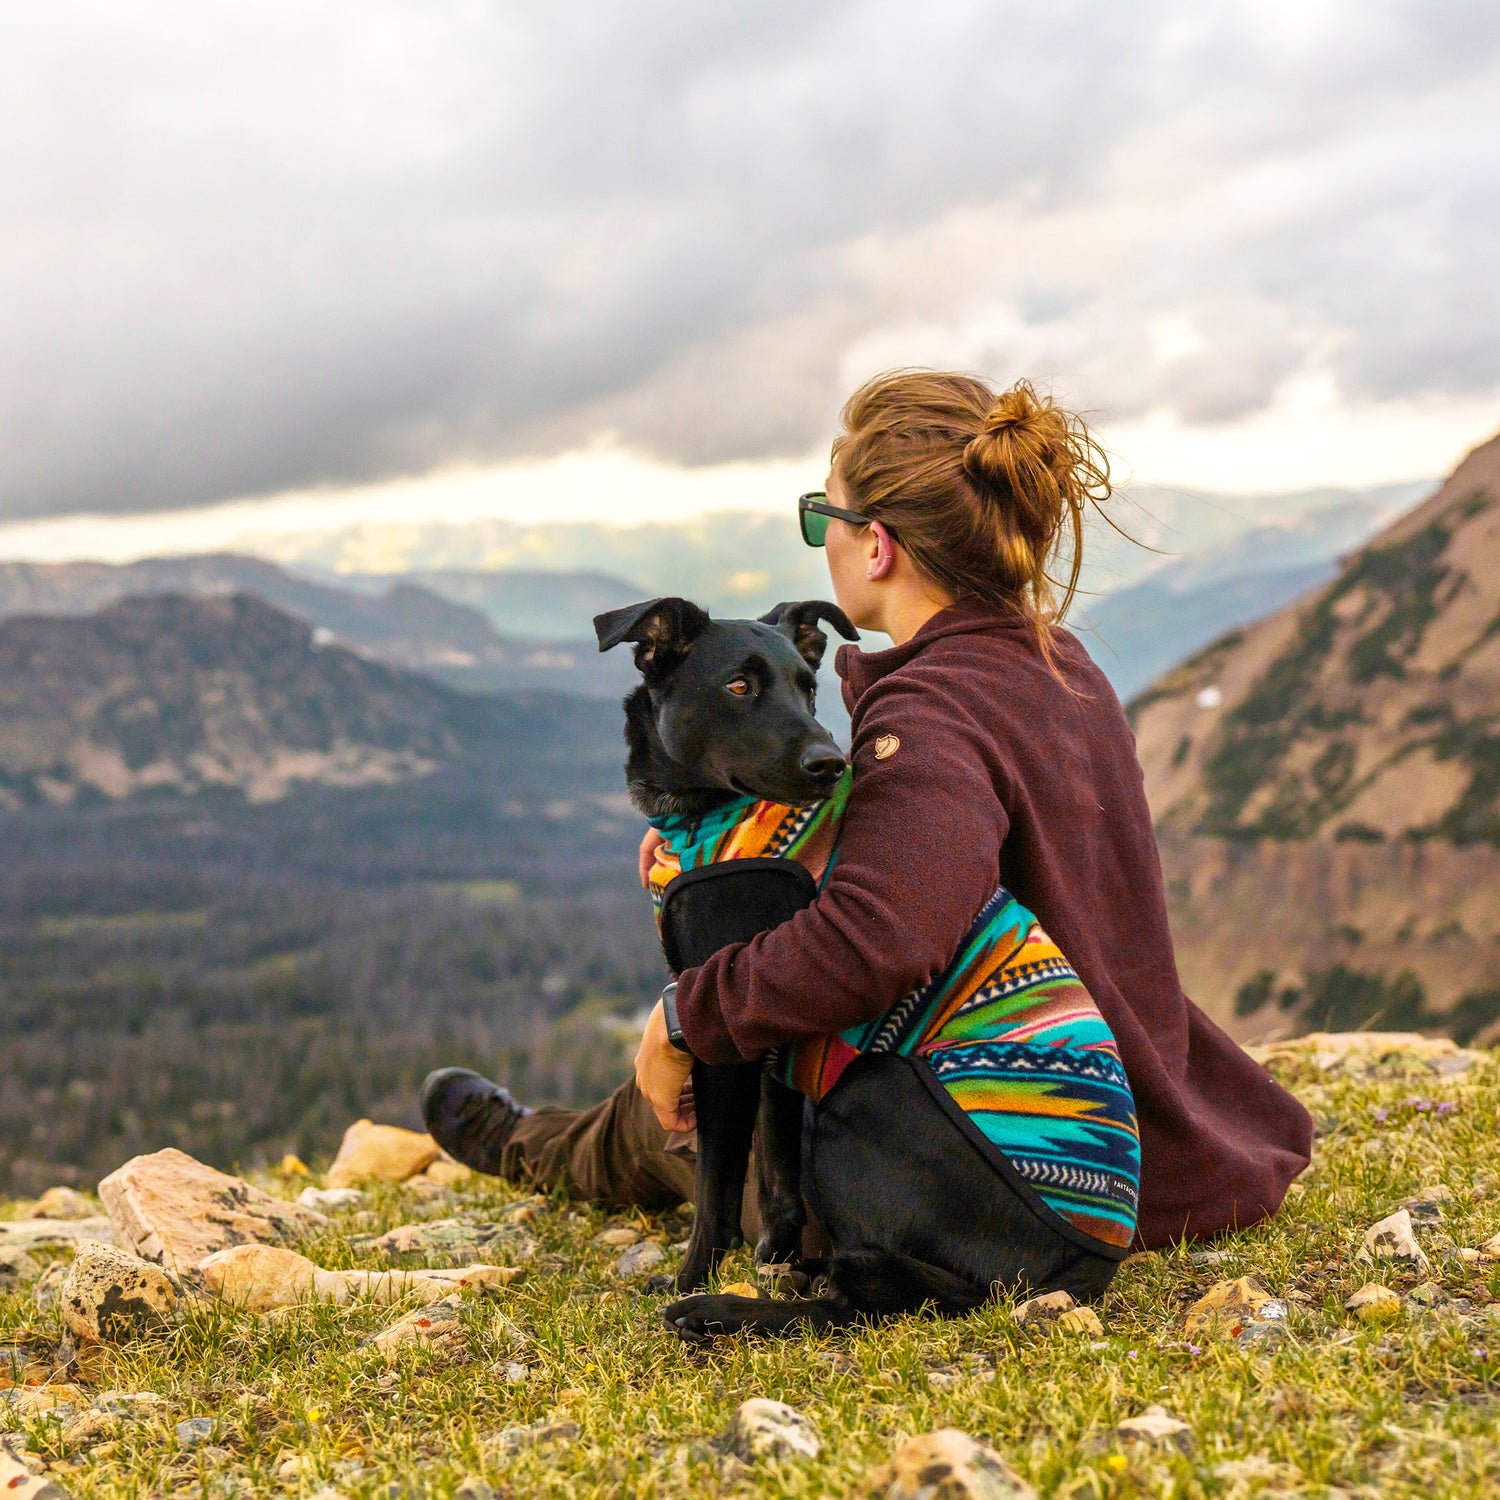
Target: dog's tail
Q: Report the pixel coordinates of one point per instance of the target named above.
(885, 1282)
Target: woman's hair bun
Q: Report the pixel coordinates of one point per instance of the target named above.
(1015, 408)
(1023, 452)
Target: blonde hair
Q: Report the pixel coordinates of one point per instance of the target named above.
(986, 493)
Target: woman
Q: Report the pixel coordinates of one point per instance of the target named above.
(987, 748)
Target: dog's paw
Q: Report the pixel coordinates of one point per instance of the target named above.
(661, 1284)
(707, 1316)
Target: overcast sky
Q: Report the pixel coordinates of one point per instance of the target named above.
(278, 245)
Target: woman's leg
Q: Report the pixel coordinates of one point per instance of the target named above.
(614, 1152)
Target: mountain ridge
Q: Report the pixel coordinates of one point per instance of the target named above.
(1326, 783)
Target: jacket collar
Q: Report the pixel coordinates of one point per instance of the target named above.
(861, 669)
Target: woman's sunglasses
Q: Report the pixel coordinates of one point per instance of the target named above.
(814, 512)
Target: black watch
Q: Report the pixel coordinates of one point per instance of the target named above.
(669, 1013)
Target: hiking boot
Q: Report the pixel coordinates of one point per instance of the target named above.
(470, 1117)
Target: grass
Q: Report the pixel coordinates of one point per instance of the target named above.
(1408, 1409)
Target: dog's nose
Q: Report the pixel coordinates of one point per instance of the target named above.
(823, 763)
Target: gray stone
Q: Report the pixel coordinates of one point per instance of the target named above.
(451, 1242)
(194, 1432)
(55, 1234)
(472, 1487)
(762, 1428)
(1426, 1207)
(16, 1267)
(538, 1435)
(49, 1286)
(639, 1259)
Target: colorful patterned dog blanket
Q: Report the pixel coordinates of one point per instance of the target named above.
(1006, 1032)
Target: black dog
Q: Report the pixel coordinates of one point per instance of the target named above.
(726, 710)
(914, 1213)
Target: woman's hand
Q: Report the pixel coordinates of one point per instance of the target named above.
(649, 845)
(665, 1075)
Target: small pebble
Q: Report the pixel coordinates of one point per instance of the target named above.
(194, 1432)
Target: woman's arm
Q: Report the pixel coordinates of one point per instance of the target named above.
(918, 856)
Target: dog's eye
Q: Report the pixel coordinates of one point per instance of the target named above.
(739, 687)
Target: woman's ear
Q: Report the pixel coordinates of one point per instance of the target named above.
(881, 552)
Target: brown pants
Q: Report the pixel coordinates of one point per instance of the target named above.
(615, 1153)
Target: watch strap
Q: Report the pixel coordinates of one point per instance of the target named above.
(669, 1014)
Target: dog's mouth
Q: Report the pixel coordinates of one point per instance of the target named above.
(797, 792)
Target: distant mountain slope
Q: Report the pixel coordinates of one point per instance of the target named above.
(531, 605)
(1326, 783)
(392, 619)
(1183, 602)
(169, 694)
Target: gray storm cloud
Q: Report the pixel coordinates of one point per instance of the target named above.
(254, 247)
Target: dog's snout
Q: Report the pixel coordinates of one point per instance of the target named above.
(822, 762)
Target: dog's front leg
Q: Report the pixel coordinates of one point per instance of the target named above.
(778, 1161)
(725, 1101)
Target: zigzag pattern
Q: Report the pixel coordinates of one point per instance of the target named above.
(1007, 1027)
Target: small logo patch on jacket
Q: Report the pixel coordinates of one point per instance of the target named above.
(886, 746)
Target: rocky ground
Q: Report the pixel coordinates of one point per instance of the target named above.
(397, 1327)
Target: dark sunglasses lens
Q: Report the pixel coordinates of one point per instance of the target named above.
(814, 528)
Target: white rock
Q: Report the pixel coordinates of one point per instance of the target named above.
(169, 1208)
(770, 1429)
(1156, 1427)
(17, 1482)
(259, 1277)
(1392, 1239)
(538, 1435)
(331, 1200)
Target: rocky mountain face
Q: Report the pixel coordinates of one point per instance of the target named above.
(166, 694)
(1326, 785)
(446, 630)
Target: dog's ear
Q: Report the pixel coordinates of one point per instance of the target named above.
(799, 621)
(662, 630)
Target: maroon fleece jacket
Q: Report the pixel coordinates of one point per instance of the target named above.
(975, 766)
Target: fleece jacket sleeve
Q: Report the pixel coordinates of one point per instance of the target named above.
(918, 856)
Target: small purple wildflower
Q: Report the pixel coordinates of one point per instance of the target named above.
(1131, 1354)
(1381, 1116)
(1446, 1107)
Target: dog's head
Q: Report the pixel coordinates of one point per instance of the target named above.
(725, 707)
